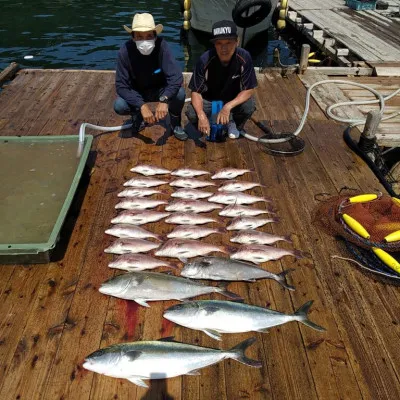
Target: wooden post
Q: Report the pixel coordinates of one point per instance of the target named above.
(8, 73)
(305, 51)
(371, 124)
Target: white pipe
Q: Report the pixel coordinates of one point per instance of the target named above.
(352, 122)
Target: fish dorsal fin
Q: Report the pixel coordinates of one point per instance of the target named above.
(194, 372)
(213, 334)
(133, 354)
(138, 381)
(167, 339)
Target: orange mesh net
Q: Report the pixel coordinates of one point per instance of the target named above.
(379, 217)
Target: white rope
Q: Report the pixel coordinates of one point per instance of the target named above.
(352, 122)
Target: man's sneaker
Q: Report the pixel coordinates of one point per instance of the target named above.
(233, 131)
(180, 133)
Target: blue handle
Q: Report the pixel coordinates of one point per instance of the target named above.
(216, 107)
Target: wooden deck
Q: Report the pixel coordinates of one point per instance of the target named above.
(52, 316)
(346, 34)
(388, 133)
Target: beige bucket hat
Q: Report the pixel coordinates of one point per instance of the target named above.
(143, 23)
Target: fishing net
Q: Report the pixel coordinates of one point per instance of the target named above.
(379, 218)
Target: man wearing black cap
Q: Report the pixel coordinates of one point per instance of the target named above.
(225, 73)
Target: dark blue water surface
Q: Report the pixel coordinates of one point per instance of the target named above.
(86, 34)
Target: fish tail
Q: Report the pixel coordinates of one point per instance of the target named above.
(229, 249)
(275, 219)
(233, 296)
(301, 316)
(237, 353)
(169, 265)
(281, 278)
(298, 254)
(288, 239)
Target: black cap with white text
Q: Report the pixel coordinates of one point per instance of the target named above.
(224, 30)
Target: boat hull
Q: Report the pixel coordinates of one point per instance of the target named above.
(206, 12)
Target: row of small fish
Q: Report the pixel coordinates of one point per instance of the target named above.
(224, 173)
(183, 183)
(196, 206)
(185, 193)
(129, 231)
(183, 249)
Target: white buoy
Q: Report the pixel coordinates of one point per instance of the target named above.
(27, 57)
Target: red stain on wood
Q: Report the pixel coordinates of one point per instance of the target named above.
(132, 316)
(166, 328)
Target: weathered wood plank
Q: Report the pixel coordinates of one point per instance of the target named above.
(8, 73)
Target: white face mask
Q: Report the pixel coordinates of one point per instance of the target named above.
(145, 46)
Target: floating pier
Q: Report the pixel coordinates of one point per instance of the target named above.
(53, 316)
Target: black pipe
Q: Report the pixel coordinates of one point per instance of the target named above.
(353, 146)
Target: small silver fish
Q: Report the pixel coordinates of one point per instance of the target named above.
(237, 186)
(235, 210)
(138, 361)
(150, 170)
(139, 192)
(139, 203)
(123, 246)
(144, 286)
(230, 173)
(188, 172)
(258, 237)
(138, 262)
(214, 317)
(258, 253)
(225, 269)
(144, 182)
(240, 223)
(131, 217)
(190, 183)
(183, 249)
(192, 232)
(191, 194)
(195, 206)
(236, 198)
(188, 219)
(129, 231)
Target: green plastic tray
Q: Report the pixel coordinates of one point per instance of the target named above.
(38, 180)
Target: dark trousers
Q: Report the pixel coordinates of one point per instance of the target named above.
(175, 106)
(240, 114)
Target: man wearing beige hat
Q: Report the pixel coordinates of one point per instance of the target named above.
(148, 72)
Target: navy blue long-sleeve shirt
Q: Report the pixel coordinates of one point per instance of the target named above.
(136, 73)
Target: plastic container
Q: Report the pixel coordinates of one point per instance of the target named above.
(217, 131)
(361, 5)
(43, 173)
